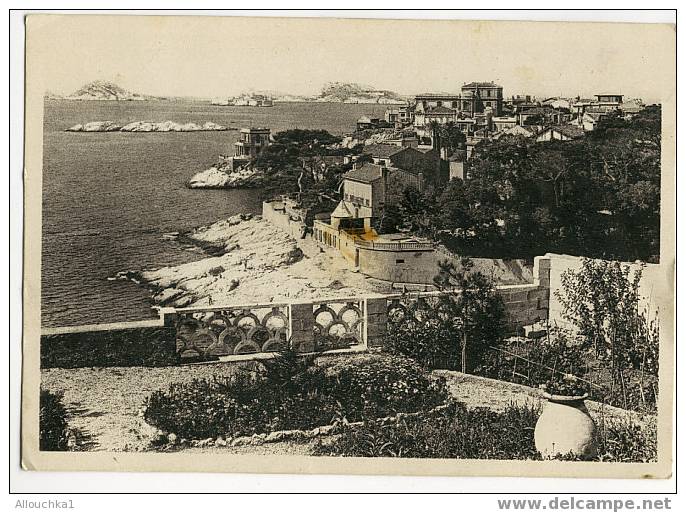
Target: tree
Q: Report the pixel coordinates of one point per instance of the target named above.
(477, 309)
(601, 300)
(462, 324)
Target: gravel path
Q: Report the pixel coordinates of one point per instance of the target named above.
(106, 404)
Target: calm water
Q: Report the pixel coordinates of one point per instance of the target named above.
(109, 197)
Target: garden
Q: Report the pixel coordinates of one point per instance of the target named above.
(397, 402)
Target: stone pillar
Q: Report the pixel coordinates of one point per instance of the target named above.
(542, 271)
(301, 324)
(376, 321)
(168, 316)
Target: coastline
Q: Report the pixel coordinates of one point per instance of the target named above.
(250, 260)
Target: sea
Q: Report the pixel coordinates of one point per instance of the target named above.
(110, 198)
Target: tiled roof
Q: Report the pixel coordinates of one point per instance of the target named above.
(368, 173)
(382, 150)
(342, 211)
(571, 131)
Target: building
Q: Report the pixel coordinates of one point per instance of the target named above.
(523, 131)
(472, 110)
(610, 99)
(590, 119)
(349, 228)
(543, 115)
(367, 123)
(484, 95)
(560, 133)
(251, 142)
(503, 123)
(412, 160)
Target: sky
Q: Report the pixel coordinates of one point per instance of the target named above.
(224, 56)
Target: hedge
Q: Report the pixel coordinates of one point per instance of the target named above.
(146, 347)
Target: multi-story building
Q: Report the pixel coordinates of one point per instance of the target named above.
(251, 142)
(471, 110)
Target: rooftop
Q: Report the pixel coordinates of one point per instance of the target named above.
(368, 173)
(482, 84)
(382, 150)
(570, 131)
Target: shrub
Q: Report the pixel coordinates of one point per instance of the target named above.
(52, 422)
(456, 432)
(293, 392)
(146, 347)
(627, 441)
(459, 432)
(380, 385)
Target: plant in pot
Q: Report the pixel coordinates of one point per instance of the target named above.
(565, 428)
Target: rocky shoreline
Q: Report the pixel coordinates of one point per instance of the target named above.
(251, 261)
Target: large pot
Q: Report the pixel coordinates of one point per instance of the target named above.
(565, 427)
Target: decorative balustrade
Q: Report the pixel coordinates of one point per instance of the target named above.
(338, 324)
(395, 246)
(224, 331)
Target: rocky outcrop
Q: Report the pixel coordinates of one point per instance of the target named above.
(218, 177)
(146, 126)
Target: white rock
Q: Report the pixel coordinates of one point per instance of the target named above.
(213, 178)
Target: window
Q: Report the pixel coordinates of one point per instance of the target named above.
(399, 260)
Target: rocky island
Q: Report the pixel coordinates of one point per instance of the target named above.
(101, 90)
(147, 126)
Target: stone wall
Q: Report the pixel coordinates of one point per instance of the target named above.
(124, 344)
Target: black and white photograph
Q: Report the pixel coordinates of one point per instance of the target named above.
(318, 244)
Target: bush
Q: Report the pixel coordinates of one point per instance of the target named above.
(52, 422)
(456, 432)
(146, 347)
(292, 392)
(459, 432)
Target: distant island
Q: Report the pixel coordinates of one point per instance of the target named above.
(102, 90)
(339, 92)
(332, 92)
